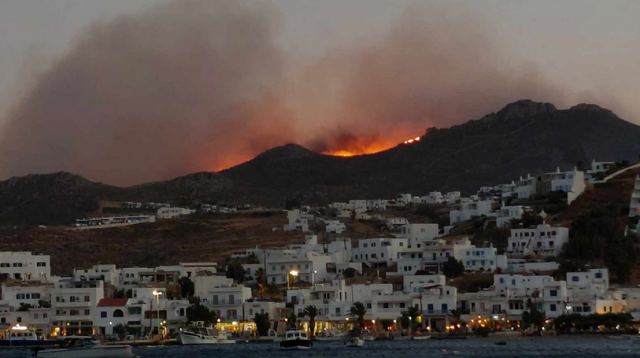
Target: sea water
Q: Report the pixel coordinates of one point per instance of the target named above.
(564, 346)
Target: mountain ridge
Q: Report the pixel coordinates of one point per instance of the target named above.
(523, 137)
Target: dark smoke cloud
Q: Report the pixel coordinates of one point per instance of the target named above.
(437, 66)
(192, 85)
(199, 85)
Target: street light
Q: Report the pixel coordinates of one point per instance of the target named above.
(313, 278)
(157, 294)
(293, 273)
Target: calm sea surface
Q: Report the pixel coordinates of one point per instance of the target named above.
(583, 346)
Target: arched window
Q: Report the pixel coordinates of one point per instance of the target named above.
(118, 313)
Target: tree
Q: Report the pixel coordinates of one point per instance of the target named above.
(452, 268)
(25, 307)
(262, 323)
(120, 331)
(412, 313)
(533, 316)
(292, 321)
(349, 272)
(198, 312)
(311, 312)
(358, 310)
(187, 288)
(236, 272)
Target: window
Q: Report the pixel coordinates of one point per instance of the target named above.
(385, 305)
(87, 298)
(35, 296)
(215, 298)
(231, 299)
(118, 313)
(575, 278)
(41, 264)
(87, 312)
(369, 305)
(17, 264)
(103, 314)
(598, 275)
(430, 308)
(444, 307)
(552, 307)
(553, 293)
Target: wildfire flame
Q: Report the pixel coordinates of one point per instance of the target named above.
(409, 141)
(359, 146)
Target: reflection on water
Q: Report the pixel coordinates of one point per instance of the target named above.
(579, 346)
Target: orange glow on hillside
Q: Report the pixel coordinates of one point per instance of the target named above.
(361, 145)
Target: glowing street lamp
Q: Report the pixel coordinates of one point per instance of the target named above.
(157, 294)
(294, 274)
(313, 278)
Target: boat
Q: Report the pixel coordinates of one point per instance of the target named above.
(295, 340)
(22, 336)
(329, 335)
(203, 336)
(421, 338)
(85, 347)
(355, 342)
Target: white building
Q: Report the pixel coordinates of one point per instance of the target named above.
(634, 203)
(544, 240)
(74, 305)
(223, 296)
(379, 251)
(111, 312)
(468, 209)
(334, 226)
(22, 265)
(173, 212)
(298, 220)
(570, 182)
(22, 293)
(419, 233)
(107, 273)
(396, 223)
(598, 168)
(508, 213)
(113, 221)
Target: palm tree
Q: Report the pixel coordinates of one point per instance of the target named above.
(311, 312)
(359, 311)
(412, 313)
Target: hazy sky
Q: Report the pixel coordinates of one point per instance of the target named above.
(580, 50)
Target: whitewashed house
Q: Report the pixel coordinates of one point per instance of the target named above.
(543, 240)
(298, 220)
(111, 312)
(507, 213)
(173, 212)
(570, 182)
(468, 209)
(74, 305)
(379, 251)
(334, 226)
(16, 294)
(23, 265)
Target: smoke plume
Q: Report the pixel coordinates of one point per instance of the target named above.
(437, 66)
(192, 85)
(201, 85)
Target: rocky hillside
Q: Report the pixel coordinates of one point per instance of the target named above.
(523, 137)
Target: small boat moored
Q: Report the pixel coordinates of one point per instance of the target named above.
(295, 340)
(22, 336)
(203, 336)
(355, 342)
